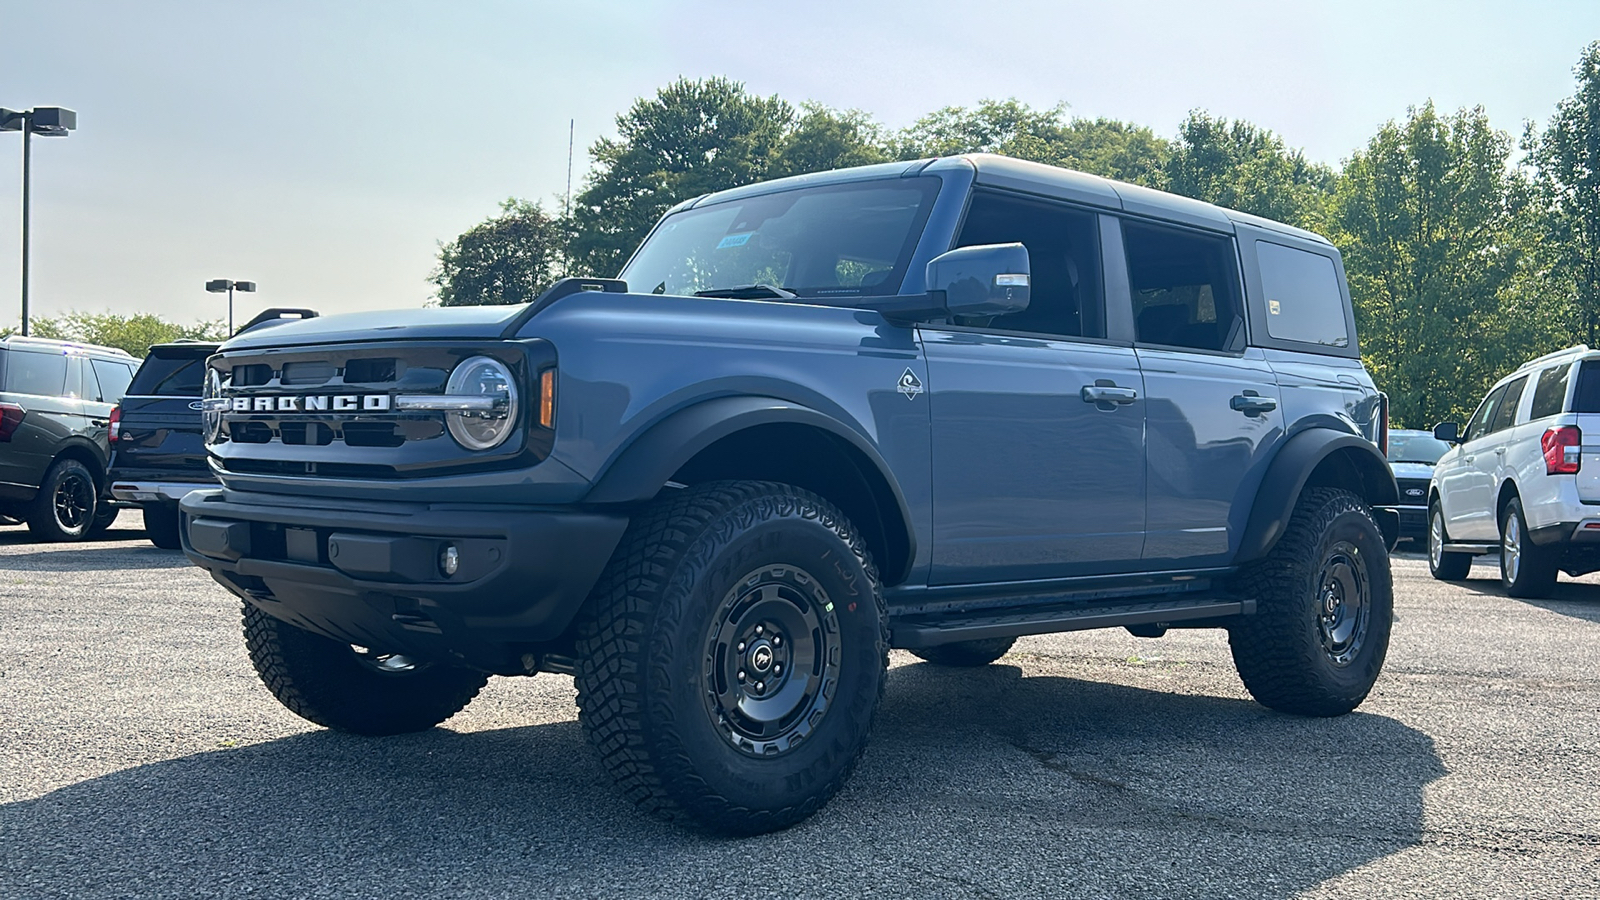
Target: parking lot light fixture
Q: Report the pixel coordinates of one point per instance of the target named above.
(218, 285)
(45, 121)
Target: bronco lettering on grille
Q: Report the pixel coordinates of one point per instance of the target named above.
(311, 403)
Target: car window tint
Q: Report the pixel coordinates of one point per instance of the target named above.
(1063, 256)
(114, 378)
(1506, 415)
(42, 374)
(1550, 392)
(1302, 293)
(1479, 426)
(1185, 287)
(1587, 397)
(162, 376)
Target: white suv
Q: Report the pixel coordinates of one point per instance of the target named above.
(1521, 480)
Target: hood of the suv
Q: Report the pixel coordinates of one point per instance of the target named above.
(444, 323)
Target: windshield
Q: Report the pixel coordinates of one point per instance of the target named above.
(836, 241)
(1415, 446)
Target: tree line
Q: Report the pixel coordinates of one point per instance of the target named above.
(1468, 250)
(133, 333)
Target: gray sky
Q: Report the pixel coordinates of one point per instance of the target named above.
(323, 149)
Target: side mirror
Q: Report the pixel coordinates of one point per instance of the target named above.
(985, 280)
(1449, 432)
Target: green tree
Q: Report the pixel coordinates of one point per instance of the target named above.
(691, 138)
(1566, 162)
(1248, 168)
(1433, 222)
(505, 259)
(823, 139)
(133, 333)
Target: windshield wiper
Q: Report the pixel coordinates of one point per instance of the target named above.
(749, 292)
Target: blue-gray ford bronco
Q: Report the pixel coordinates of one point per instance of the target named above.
(934, 405)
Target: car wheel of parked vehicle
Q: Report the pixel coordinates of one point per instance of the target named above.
(1442, 565)
(353, 689)
(966, 653)
(1526, 569)
(161, 526)
(1325, 604)
(104, 515)
(64, 508)
(732, 656)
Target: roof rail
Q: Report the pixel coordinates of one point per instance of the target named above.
(54, 344)
(277, 315)
(1577, 350)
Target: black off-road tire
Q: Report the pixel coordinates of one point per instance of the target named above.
(161, 526)
(329, 683)
(655, 642)
(1330, 569)
(1527, 570)
(64, 508)
(1442, 565)
(965, 654)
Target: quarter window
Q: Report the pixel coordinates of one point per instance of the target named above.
(1185, 287)
(1550, 393)
(114, 378)
(1302, 294)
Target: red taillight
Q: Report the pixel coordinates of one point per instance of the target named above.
(10, 417)
(1563, 450)
(116, 422)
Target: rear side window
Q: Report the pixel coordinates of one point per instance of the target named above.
(1550, 392)
(114, 378)
(1185, 288)
(42, 374)
(1303, 299)
(162, 376)
(1506, 415)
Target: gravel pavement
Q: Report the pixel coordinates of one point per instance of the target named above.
(141, 758)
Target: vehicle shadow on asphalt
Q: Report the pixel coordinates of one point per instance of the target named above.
(977, 783)
(1580, 600)
(129, 549)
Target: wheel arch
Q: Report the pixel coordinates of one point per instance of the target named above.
(1316, 457)
(1508, 492)
(762, 438)
(89, 454)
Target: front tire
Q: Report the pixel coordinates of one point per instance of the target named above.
(732, 656)
(1527, 570)
(1325, 600)
(966, 654)
(1444, 565)
(361, 692)
(64, 508)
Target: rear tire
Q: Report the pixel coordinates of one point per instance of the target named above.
(966, 654)
(1325, 605)
(1443, 565)
(1527, 570)
(732, 656)
(161, 526)
(64, 508)
(332, 684)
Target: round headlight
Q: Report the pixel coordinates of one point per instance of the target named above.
(484, 429)
(211, 414)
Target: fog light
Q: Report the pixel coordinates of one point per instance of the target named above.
(449, 560)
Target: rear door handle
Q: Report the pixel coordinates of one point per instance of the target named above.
(1104, 393)
(1252, 404)
(100, 422)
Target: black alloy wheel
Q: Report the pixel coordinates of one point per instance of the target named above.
(64, 508)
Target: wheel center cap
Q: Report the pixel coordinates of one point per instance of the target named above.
(761, 656)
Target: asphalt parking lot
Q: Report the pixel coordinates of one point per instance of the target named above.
(143, 759)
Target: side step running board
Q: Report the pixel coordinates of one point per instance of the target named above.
(915, 632)
(1471, 548)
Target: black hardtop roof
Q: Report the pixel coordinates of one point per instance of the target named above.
(1034, 178)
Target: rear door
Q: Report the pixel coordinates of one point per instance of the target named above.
(160, 428)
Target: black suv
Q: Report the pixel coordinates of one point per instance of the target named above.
(56, 399)
(157, 453)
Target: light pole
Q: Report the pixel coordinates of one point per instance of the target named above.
(46, 121)
(218, 285)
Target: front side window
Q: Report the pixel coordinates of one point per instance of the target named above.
(834, 241)
(1550, 392)
(41, 374)
(1479, 426)
(1185, 287)
(1063, 258)
(1303, 299)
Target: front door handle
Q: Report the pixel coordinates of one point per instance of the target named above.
(1467, 459)
(1252, 404)
(1105, 394)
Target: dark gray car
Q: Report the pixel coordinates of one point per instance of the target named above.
(56, 399)
(934, 405)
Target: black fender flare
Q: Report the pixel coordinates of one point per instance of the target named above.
(638, 472)
(1288, 473)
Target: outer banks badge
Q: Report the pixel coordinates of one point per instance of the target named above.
(910, 385)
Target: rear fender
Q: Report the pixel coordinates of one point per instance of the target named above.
(1337, 459)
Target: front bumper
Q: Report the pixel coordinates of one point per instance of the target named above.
(369, 573)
